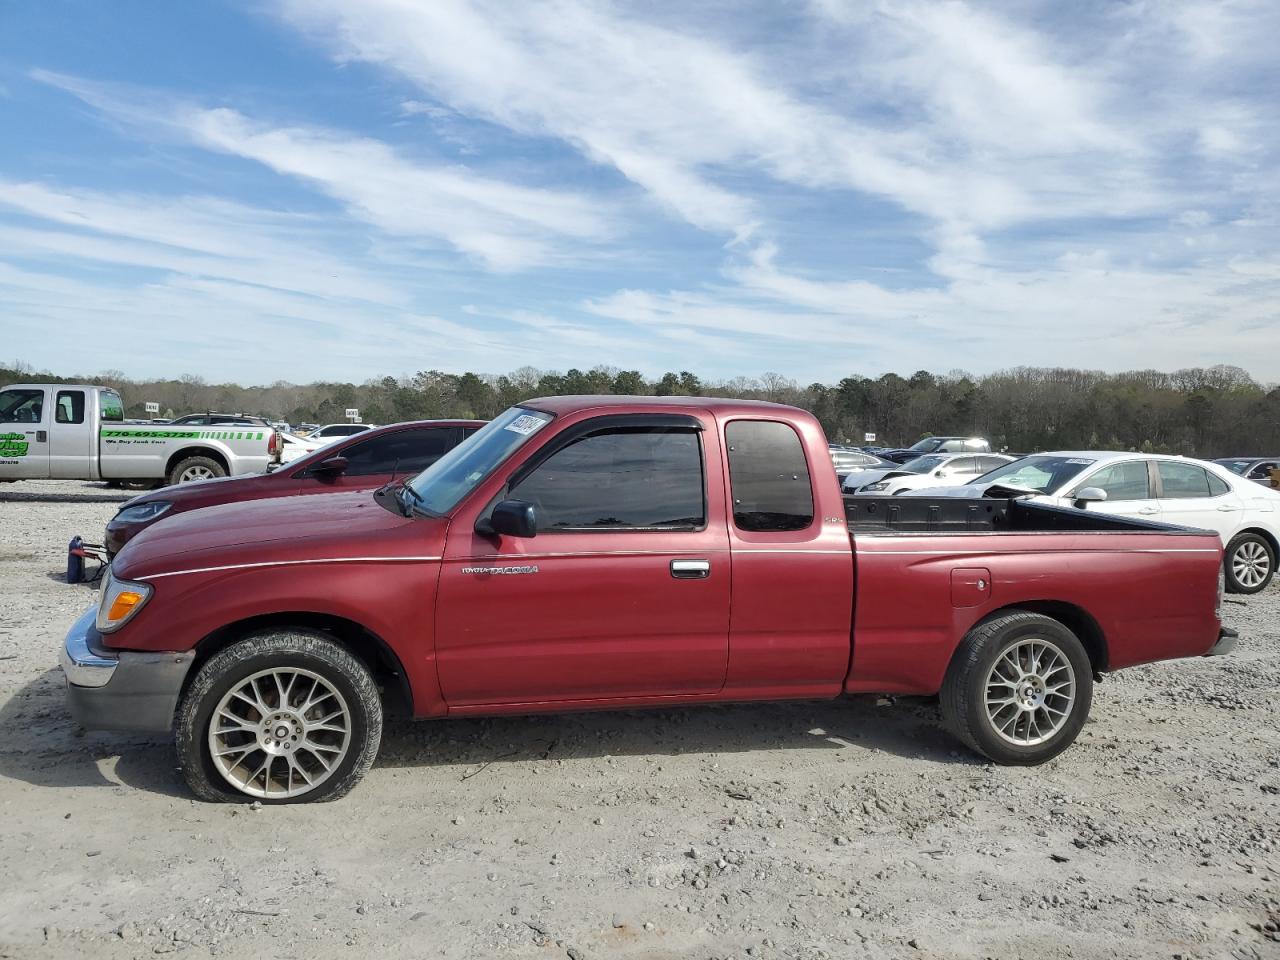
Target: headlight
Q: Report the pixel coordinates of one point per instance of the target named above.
(143, 511)
(876, 486)
(121, 599)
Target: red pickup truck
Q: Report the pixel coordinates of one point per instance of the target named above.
(608, 552)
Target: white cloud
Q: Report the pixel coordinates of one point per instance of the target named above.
(502, 225)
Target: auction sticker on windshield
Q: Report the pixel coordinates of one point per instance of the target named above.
(525, 425)
(1082, 463)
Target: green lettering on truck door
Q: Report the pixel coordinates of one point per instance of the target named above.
(13, 444)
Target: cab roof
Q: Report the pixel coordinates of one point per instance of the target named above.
(717, 406)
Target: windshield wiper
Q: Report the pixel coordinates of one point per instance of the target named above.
(409, 509)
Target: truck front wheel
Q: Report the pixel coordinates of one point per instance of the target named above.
(1019, 688)
(287, 716)
(196, 468)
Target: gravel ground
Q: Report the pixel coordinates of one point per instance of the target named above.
(810, 830)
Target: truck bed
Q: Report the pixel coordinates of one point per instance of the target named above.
(871, 516)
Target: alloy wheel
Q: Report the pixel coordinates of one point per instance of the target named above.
(279, 733)
(1030, 691)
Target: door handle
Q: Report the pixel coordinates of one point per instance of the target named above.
(1227, 508)
(691, 569)
(42, 436)
(1148, 510)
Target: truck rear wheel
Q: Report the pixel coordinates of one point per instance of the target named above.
(1019, 689)
(196, 468)
(287, 716)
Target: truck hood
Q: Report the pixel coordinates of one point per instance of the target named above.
(297, 528)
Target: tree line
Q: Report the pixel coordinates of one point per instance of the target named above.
(1207, 412)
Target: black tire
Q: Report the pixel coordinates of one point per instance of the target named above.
(214, 468)
(286, 649)
(138, 484)
(964, 693)
(1247, 557)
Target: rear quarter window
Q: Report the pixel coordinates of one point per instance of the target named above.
(768, 477)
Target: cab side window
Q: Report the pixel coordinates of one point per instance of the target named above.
(768, 477)
(1183, 481)
(70, 406)
(1123, 481)
(628, 477)
(21, 406)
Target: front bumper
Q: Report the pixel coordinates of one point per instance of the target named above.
(120, 690)
(1226, 643)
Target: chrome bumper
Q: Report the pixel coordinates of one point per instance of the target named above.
(83, 666)
(129, 690)
(1226, 643)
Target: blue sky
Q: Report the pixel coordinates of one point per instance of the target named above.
(337, 190)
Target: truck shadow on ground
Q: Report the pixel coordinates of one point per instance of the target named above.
(42, 745)
(57, 496)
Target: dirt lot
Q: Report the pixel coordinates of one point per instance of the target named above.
(810, 830)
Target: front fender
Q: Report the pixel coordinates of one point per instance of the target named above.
(393, 599)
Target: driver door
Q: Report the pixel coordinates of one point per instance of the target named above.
(623, 592)
(24, 433)
(1129, 489)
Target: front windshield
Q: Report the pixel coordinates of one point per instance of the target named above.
(1043, 474)
(1236, 466)
(927, 445)
(923, 464)
(442, 485)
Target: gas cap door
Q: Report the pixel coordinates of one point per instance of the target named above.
(970, 586)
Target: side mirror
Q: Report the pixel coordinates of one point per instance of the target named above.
(331, 467)
(511, 518)
(1087, 495)
(939, 473)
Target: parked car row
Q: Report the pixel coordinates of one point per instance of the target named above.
(1177, 490)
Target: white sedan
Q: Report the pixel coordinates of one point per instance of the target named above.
(934, 470)
(334, 431)
(1189, 493)
(294, 446)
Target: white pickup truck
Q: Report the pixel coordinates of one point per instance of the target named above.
(75, 431)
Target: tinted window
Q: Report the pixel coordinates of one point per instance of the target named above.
(990, 463)
(70, 406)
(768, 476)
(1182, 481)
(1122, 481)
(964, 465)
(405, 451)
(21, 406)
(1261, 472)
(1217, 486)
(1235, 466)
(194, 420)
(342, 430)
(634, 477)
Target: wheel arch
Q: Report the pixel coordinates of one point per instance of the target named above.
(213, 453)
(1075, 618)
(374, 652)
(1265, 534)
